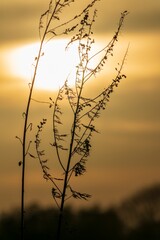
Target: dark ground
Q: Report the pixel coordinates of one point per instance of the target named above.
(137, 218)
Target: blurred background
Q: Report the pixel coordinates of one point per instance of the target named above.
(125, 156)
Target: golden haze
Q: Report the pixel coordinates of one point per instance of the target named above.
(125, 155)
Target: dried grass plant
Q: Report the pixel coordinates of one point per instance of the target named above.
(73, 145)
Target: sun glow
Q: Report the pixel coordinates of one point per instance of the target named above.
(55, 65)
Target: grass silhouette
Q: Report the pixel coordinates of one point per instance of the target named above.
(72, 146)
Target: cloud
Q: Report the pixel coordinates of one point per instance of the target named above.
(144, 22)
(19, 21)
(140, 18)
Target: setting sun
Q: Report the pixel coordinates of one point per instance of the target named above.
(57, 62)
(55, 65)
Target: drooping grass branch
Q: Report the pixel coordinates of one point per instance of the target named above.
(74, 144)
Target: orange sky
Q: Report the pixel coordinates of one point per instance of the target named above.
(125, 157)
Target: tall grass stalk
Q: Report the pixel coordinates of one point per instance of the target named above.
(75, 145)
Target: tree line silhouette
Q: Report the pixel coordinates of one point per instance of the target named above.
(137, 218)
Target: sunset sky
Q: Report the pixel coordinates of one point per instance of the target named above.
(125, 156)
